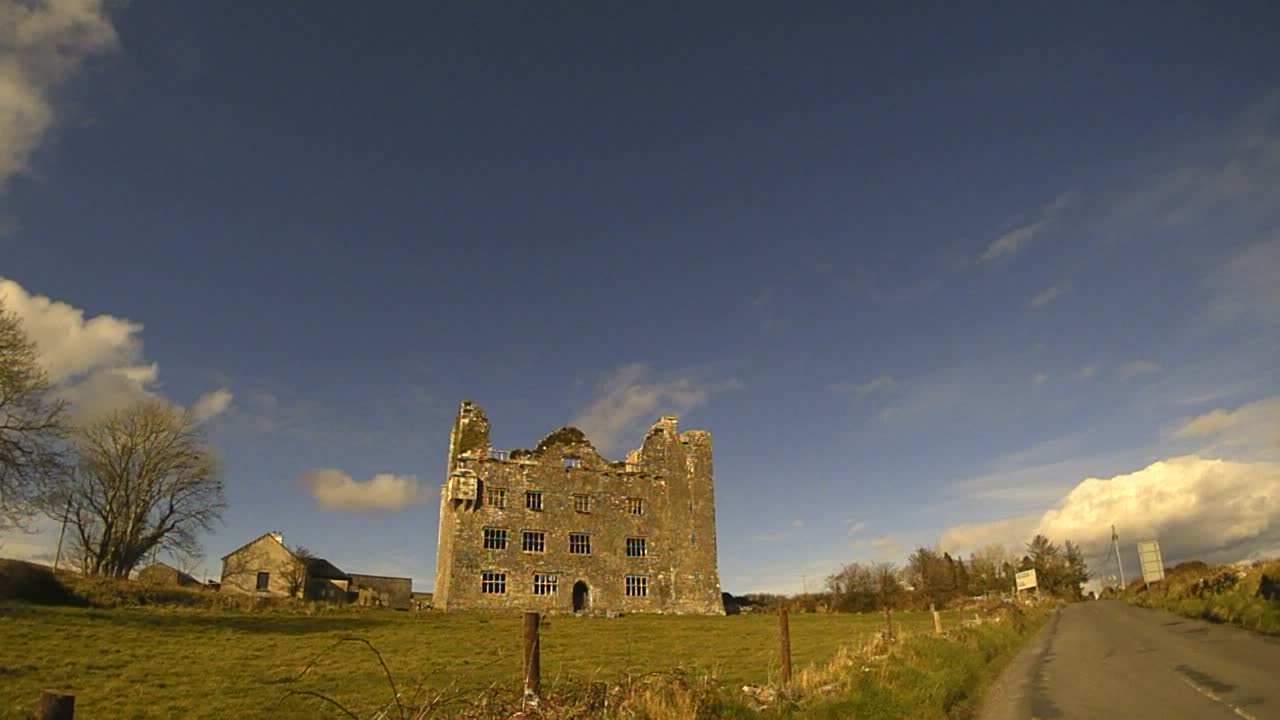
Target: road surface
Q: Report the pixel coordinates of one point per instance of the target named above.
(1106, 659)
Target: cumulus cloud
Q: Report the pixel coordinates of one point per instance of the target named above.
(1044, 297)
(71, 345)
(212, 404)
(627, 398)
(1198, 508)
(1131, 370)
(1008, 244)
(96, 363)
(42, 44)
(334, 489)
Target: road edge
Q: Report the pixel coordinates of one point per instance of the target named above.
(1009, 695)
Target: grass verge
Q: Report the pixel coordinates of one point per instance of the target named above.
(1243, 595)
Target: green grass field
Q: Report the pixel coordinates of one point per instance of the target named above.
(157, 663)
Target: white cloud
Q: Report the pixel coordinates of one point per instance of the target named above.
(71, 345)
(862, 390)
(212, 404)
(1215, 510)
(1252, 430)
(96, 363)
(1044, 297)
(797, 523)
(856, 527)
(1136, 368)
(1008, 244)
(334, 489)
(1039, 378)
(1087, 372)
(627, 398)
(42, 44)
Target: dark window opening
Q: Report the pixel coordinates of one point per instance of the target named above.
(264, 579)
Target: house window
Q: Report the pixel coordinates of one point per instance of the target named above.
(637, 547)
(635, 506)
(579, 543)
(264, 579)
(495, 538)
(499, 455)
(544, 584)
(534, 541)
(495, 497)
(637, 586)
(533, 500)
(493, 582)
(582, 503)
(572, 462)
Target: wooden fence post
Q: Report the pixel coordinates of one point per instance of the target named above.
(532, 661)
(784, 634)
(888, 623)
(937, 620)
(55, 705)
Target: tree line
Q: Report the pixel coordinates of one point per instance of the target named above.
(933, 577)
(126, 486)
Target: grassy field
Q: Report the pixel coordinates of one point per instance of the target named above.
(157, 663)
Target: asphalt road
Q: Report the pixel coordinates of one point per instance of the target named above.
(1106, 659)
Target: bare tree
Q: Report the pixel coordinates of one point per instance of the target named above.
(146, 480)
(295, 575)
(33, 426)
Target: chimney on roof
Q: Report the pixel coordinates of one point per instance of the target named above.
(279, 536)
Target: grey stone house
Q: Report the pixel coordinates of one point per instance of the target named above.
(562, 529)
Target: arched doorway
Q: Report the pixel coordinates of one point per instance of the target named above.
(581, 596)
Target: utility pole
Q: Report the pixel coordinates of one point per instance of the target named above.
(1115, 543)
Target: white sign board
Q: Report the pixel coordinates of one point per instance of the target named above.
(1026, 579)
(1152, 564)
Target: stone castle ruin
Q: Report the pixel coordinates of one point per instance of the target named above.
(560, 529)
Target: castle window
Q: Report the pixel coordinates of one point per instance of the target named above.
(637, 586)
(579, 543)
(495, 538)
(635, 506)
(572, 462)
(544, 584)
(637, 547)
(499, 455)
(582, 503)
(534, 541)
(533, 499)
(495, 497)
(493, 582)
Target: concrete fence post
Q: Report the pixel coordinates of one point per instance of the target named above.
(784, 635)
(888, 623)
(937, 620)
(56, 705)
(532, 660)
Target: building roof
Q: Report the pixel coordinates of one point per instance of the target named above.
(321, 568)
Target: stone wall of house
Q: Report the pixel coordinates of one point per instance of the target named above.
(266, 554)
(670, 475)
(382, 591)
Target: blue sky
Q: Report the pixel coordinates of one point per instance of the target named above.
(921, 270)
